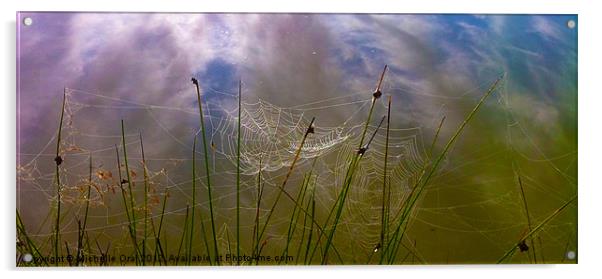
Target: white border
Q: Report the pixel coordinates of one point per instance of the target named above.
(315, 6)
(589, 129)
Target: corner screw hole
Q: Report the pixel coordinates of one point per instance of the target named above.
(571, 24)
(27, 21)
(571, 255)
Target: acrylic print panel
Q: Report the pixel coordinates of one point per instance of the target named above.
(296, 139)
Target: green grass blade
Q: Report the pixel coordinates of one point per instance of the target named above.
(32, 248)
(311, 228)
(207, 171)
(339, 203)
(384, 208)
(409, 206)
(191, 235)
(310, 130)
(255, 243)
(238, 175)
(129, 182)
(537, 228)
(339, 209)
(525, 208)
(83, 229)
(184, 230)
(125, 203)
(145, 172)
(58, 160)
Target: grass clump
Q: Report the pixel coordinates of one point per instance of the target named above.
(310, 232)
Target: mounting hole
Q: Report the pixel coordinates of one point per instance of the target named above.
(27, 258)
(571, 255)
(571, 24)
(28, 21)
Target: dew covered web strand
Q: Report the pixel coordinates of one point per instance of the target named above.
(269, 133)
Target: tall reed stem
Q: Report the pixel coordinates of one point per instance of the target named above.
(295, 214)
(310, 130)
(536, 229)
(351, 169)
(184, 230)
(207, 171)
(526, 209)
(158, 238)
(255, 242)
(31, 247)
(417, 191)
(125, 205)
(384, 207)
(190, 239)
(83, 229)
(129, 182)
(238, 176)
(58, 160)
(345, 190)
(145, 172)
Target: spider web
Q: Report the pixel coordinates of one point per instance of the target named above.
(270, 135)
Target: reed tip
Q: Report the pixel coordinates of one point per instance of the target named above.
(377, 94)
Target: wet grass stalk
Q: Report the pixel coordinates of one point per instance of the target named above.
(566, 248)
(310, 130)
(103, 251)
(156, 252)
(145, 173)
(207, 171)
(69, 256)
(414, 188)
(228, 242)
(525, 208)
(255, 242)
(158, 237)
(311, 226)
(194, 203)
(436, 137)
(292, 221)
(361, 149)
(301, 241)
(315, 223)
(536, 229)
(408, 202)
(31, 247)
(88, 242)
(184, 230)
(400, 231)
(541, 252)
(58, 160)
(191, 235)
(345, 190)
(125, 204)
(82, 232)
(238, 175)
(330, 214)
(295, 214)
(204, 234)
(384, 206)
(350, 171)
(131, 193)
(417, 190)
